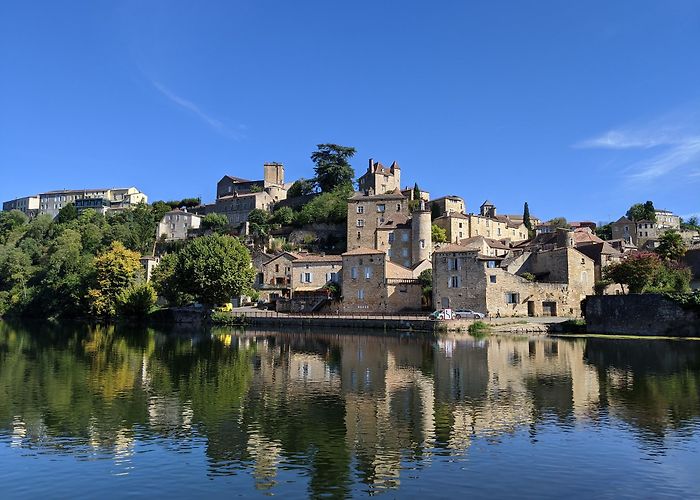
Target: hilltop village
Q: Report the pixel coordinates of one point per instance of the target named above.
(390, 248)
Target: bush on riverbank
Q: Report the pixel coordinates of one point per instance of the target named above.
(479, 329)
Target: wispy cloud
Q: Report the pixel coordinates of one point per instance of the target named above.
(670, 146)
(214, 123)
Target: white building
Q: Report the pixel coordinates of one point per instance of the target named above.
(52, 202)
(175, 225)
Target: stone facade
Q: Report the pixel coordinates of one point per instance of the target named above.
(367, 212)
(465, 279)
(640, 314)
(459, 226)
(448, 205)
(380, 179)
(312, 272)
(175, 225)
(277, 276)
(236, 208)
(372, 284)
(28, 205)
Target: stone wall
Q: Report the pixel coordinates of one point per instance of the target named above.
(640, 314)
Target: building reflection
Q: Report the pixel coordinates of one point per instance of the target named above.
(339, 406)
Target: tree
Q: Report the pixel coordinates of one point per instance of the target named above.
(301, 187)
(333, 168)
(214, 268)
(671, 246)
(214, 222)
(638, 271)
(526, 217)
(559, 222)
(438, 234)
(282, 216)
(426, 283)
(414, 204)
(167, 284)
(136, 301)
(67, 214)
(604, 232)
(10, 221)
(640, 211)
(115, 270)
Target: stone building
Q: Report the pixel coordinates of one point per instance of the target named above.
(28, 205)
(380, 179)
(466, 279)
(275, 278)
(237, 197)
(459, 226)
(382, 220)
(645, 233)
(446, 205)
(312, 272)
(176, 224)
(372, 284)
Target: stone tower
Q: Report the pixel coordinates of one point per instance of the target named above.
(421, 226)
(273, 174)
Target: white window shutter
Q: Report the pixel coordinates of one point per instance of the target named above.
(301, 278)
(311, 277)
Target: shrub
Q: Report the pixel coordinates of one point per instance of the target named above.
(136, 301)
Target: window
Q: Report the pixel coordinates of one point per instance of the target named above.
(491, 264)
(492, 278)
(277, 268)
(306, 277)
(368, 273)
(381, 208)
(404, 236)
(360, 209)
(353, 273)
(361, 294)
(512, 298)
(388, 253)
(391, 237)
(404, 252)
(460, 226)
(422, 243)
(499, 231)
(359, 235)
(398, 207)
(453, 282)
(360, 223)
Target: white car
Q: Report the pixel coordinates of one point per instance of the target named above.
(467, 314)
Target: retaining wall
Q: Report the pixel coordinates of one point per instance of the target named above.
(640, 314)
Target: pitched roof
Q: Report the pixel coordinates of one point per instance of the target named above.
(623, 220)
(454, 215)
(452, 248)
(319, 258)
(363, 251)
(237, 179)
(396, 220)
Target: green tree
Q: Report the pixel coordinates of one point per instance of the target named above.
(638, 271)
(642, 211)
(671, 246)
(526, 217)
(214, 268)
(136, 301)
(259, 225)
(282, 216)
(426, 284)
(301, 187)
(438, 234)
(167, 284)
(116, 270)
(326, 208)
(559, 222)
(67, 214)
(11, 221)
(604, 232)
(214, 222)
(332, 166)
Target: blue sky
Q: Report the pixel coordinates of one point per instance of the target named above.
(579, 108)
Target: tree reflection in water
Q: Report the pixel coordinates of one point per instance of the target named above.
(338, 407)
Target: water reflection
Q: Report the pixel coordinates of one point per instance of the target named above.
(341, 410)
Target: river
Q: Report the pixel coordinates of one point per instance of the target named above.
(112, 412)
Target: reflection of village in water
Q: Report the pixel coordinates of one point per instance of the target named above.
(342, 406)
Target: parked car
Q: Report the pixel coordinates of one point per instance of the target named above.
(467, 314)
